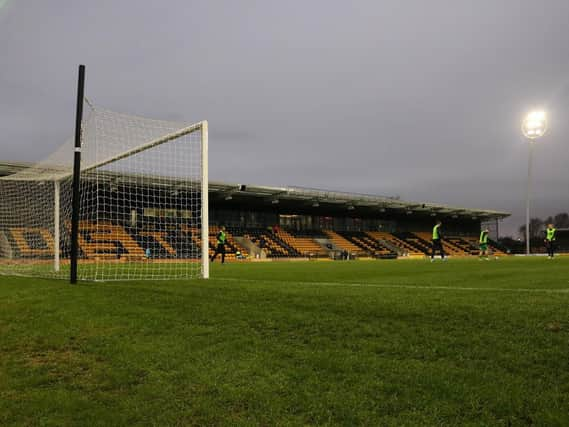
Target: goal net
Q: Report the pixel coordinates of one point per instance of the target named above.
(143, 204)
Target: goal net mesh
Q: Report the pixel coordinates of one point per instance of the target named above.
(140, 211)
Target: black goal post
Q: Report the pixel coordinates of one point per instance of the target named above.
(75, 198)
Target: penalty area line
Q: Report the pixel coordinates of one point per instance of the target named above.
(402, 286)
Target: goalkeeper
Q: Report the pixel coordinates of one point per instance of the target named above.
(221, 239)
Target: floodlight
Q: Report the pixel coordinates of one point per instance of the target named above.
(534, 125)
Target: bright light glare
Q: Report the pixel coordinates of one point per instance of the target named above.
(534, 124)
(536, 115)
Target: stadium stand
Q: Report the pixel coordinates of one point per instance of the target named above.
(469, 248)
(182, 243)
(374, 247)
(160, 238)
(404, 247)
(345, 244)
(31, 242)
(278, 223)
(494, 247)
(268, 241)
(304, 244)
(231, 246)
(448, 245)
(113, 241)
(418, 244)
(106, 240)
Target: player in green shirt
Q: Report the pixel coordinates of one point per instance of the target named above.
(550, 240)
(483, 245)
(437, 244)
(221, 240)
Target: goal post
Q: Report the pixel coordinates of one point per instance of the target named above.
(199, 183)
(56, 234)
(142, 207)
(205, 200)
(75, 202)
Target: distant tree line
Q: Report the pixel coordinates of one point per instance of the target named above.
(537, 233)
(537, 226)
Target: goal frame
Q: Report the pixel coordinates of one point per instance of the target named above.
(201, 127)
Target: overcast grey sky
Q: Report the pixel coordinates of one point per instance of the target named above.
(421, 99)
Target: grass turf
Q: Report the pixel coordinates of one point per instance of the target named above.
(303, 343)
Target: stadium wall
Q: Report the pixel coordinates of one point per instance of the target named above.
(161, 207)
(303, 218)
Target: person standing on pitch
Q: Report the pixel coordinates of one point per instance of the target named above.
(483, 244)
(550, 240)
(437, 242)
(221, 239)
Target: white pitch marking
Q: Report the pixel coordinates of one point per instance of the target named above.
(376, 285)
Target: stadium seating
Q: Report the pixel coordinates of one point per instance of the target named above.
(372, 246)
(160, 238)
(344, 244)
(273, 246)
(231, 246)
(303, 244)
(183, 243)
(405, 247)
(468, 247)
(106, 240)
(422, 245)
(448, 245)
(31, 242)
(492, 245)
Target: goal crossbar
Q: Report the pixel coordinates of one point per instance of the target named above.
(54, 199)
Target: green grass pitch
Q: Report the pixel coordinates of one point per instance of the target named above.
(299, 343)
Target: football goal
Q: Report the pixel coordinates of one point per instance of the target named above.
(142, 211)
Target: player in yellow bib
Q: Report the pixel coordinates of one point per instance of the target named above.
(550, 240)
(437, 244)
(221, 241)
(483, 245)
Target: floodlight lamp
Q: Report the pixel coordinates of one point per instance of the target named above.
(534, 125)
(537, 115)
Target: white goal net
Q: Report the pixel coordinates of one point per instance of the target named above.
(143, 204)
